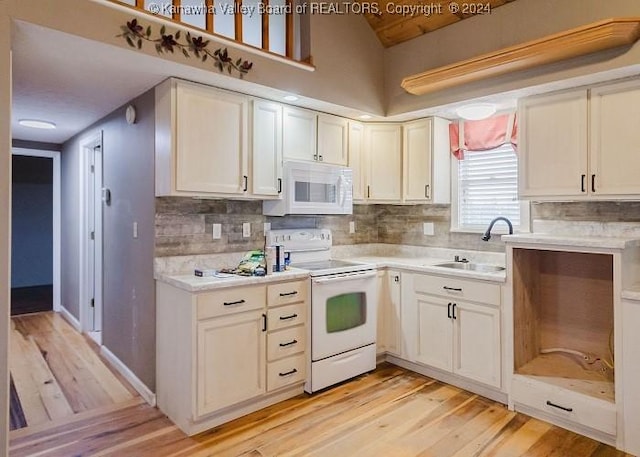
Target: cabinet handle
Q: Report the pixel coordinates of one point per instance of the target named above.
(449, 310)
(396, 278)
(453, 289)
(264, 322)
(368, 191)
(286, 318)
(230, 303)
(593, 183)
(287, 294)
(564, 408)
(453, 311)
(284, 345)
(287, 373)
(426, 191)
(246, 183)
(582, 178)
(279, 185)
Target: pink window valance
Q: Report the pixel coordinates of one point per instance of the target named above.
(482, 135)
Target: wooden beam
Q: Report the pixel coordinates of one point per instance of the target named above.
(140, 4)
(209, 18)
(238, 20)
(175, 12)
(606, 34)
(289, 27)
(265, 27)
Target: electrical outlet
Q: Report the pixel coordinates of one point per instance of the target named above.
(428, 229)
(352, 227)
(217, 231)
(267, 227)
(246, 229)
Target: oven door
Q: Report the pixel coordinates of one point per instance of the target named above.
(343, 313)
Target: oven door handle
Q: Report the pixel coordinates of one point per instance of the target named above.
(346, 277)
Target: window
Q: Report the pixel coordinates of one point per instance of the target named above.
(485, 185)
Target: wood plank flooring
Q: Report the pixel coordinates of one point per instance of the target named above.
(390, 412)
(57, 372)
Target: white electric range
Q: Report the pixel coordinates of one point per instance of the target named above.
(343, 304)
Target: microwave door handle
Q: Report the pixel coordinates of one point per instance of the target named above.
(343, 191)
(347, 277)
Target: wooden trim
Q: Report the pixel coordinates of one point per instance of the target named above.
(238, 20)
(129, 375)
(598, 36)
(265, 27)
(175, 12)
(290, 36)
(140, 4)
(209, 17)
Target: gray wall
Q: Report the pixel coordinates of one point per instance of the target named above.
(32, 221)
(129, 288)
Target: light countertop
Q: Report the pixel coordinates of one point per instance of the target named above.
(192, 283)
(572, 241)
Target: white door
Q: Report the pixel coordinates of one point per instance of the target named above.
(552, 149)
(384, 156)
(299, 134)
(266, 155)
(417, 152)
(477, 342)
(615, 139)
(434, 332)
(332, 139)
(357, 160)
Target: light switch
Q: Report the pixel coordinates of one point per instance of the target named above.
(428, 229)
(352, 227)
(246, 229)
(135, 230)
(217, 231)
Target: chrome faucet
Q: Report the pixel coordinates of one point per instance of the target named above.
(487, 234)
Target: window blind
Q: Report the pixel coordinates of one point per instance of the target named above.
(488, 187)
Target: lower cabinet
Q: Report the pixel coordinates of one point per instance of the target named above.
(389, 337)
(225, 353)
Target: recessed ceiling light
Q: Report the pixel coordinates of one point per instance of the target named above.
(365, 116)
(290, 98)
(477, 111)
(37, 124)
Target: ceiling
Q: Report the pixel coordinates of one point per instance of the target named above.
(399, 21)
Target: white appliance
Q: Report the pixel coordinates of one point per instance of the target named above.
(343, 308)
(313, 188)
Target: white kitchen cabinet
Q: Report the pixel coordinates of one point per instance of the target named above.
(357, 160)
(581, 144)
(426, 161)
(389, 337)
(231, 365)
(266, 157)
(631, 375)
(384, 162)
(333, 134)
(224, 353)
(299, 134)
(449, 332)
(201, 141)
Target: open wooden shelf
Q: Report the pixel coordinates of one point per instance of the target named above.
(563, 371)
(598, 36)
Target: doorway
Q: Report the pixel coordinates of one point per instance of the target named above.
(35, 243)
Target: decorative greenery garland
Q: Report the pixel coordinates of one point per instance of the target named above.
(135, 34)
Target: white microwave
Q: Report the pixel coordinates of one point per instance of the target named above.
(313, 188)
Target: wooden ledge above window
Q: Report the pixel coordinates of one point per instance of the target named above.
(606, 34)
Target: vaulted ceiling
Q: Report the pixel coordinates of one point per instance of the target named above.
(397, 21)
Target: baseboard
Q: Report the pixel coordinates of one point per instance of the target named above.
(135, 382)
(70, 318)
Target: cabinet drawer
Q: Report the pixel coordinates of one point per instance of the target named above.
(286, 316)
(286, 371)
(286, 292)
(286, 342)
(457, 288)
(232, 300)
(588, 411)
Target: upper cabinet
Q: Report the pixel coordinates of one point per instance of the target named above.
(581, 144)
(383, 163)
(426, 161)
(357, 160)
(332, 139)
(266, 171)
(299, 134)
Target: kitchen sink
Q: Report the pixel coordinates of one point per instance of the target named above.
(469, 266)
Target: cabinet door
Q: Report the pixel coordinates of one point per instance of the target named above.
(615, 138)
(552, 151)
(211, 140)
(299, 134)
(435, 332)
(267, 148)
(332, 139)
(476, 343)
(389, 318)
(384, 158)
(357, 160)
(416, 152)
(230, 360)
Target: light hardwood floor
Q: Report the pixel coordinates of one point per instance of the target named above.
(57, 372)
(390, 412)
